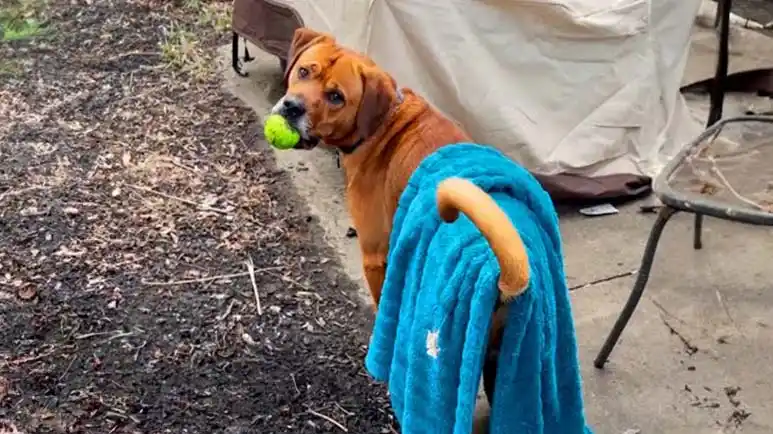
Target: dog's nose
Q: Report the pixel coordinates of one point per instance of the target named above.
(292, 108)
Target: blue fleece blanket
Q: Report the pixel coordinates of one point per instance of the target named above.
(432, 324)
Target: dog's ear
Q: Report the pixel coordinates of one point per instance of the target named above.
(378, 96)
(303, 38)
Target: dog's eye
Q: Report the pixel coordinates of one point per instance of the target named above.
(303, 72)
(335, 97)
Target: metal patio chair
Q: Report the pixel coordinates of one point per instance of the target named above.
(675, 201)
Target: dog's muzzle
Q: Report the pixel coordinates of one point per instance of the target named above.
(293, 109)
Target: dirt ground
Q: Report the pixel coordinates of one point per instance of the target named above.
(133, 195)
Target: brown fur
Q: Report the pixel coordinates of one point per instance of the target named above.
(397, 136)
(392, 138)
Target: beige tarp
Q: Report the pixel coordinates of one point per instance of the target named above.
(572, 87)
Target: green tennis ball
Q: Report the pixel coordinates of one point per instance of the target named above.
(279, 133)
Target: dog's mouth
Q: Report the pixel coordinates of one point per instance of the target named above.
(307, 143)
(295, 114)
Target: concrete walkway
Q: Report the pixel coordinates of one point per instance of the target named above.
(698, 355)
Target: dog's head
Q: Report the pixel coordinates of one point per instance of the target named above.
(333, 94)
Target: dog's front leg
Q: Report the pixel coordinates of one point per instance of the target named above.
(374, 265)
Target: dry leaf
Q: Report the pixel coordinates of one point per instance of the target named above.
(64, 251)
(4, 386)
(30, 211)
(27, 293)
(8, 428)
(709, 189)
(249, 340)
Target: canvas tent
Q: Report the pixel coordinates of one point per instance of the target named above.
(585, 93)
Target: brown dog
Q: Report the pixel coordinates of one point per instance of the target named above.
(343, 99)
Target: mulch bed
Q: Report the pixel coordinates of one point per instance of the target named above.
(133, 196)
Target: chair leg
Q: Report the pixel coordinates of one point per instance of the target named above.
(235, 61)
(697, 241)
(638, 288)
(247, 57)
(718, 15)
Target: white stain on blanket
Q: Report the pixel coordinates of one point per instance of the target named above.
(432, 344)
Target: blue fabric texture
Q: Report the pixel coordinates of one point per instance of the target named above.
(431, 329)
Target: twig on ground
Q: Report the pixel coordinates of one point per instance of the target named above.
(604, 279)
(137, 353)
(118, 336)
(727, 311)
(198, 280)
(329, 419)
(295, 384)
(95, 334)
(310, 294)
(666, 312)
(28, 359)
(718, 173)
(748, 150)
(132, 53)
(689, 347)
(179, 199)
(343, 410)
(227, 311)
(291, 280)
(210, 278)
(251, 271)
(68, 368)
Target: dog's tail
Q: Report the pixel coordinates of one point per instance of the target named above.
(454, 195)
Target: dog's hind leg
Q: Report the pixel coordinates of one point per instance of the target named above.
(491, 360)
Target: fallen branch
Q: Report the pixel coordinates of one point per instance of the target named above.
(227, 311)
(666, 312)
(251, 271)
(95, 334)
(132, 53)
(718, 173)
(727, 311)
(295, 384)
(209, 279)
(180, 199)
(329, 419)
(291, 280)
(28, 359)
(689, 347)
